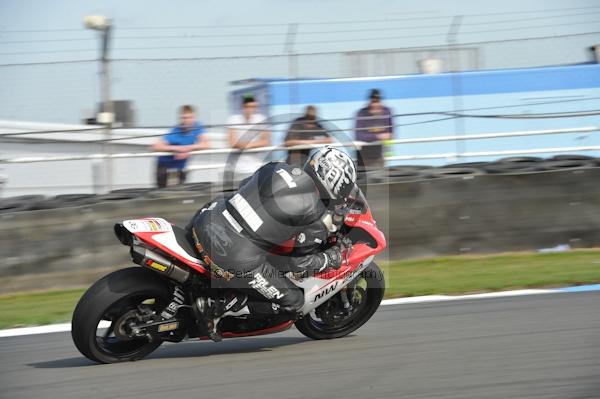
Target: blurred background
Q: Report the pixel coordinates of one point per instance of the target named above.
(494, 108)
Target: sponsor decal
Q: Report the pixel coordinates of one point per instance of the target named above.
(153, 225)
(296, 171)
(246, 211)
(156, 266)
(326, 291)
(260, 284)
(168, 327)
(350, 276)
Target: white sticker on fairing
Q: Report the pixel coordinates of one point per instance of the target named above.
(246, 211)
(150, 225)
(287, 177)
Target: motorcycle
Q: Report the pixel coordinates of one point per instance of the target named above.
(129, 313)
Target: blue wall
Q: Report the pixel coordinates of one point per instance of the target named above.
(509, 91)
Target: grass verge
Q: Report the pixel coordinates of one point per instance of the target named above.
(472, 274)
(449, 275)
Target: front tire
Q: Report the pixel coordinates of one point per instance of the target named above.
(370, 287)
(109, 299)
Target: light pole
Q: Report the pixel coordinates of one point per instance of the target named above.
(105, 117)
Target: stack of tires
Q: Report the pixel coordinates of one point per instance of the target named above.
(393, 174)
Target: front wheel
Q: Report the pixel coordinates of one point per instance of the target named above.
(101, 318)
(333, 320)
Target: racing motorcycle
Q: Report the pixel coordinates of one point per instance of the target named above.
(130, 312)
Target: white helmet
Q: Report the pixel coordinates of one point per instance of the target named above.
(333, 171)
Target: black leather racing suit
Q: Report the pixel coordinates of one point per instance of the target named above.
(277, 203)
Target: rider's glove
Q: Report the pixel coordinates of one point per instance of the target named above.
(333, 258)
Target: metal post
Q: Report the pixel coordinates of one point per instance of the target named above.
(459, 125)
(107, 106)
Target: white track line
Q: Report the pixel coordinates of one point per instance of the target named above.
(440, 298)
(14, 332)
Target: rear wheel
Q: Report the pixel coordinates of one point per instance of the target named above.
(333, 320)
(101, 326)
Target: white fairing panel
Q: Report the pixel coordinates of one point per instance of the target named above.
(318, 291)
(168, 240)
(162, 233)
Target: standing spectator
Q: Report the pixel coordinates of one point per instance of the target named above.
(247, 130)
(184, 138)
(305, 130)
(373, 123)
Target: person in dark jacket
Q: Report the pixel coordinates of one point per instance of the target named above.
(373, 124)
(237, 234)
(305, 130)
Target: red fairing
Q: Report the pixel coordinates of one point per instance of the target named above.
(366, 222)
(360, 251)
(195, 264)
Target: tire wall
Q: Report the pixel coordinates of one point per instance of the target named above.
(476, 213)
(494, 213)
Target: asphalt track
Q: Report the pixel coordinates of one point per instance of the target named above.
(541, 346)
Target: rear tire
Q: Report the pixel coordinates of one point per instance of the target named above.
(372, 295)
(108, 299)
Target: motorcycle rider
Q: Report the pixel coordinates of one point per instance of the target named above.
(236, 234)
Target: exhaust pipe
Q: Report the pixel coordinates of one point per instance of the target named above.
(147, 258)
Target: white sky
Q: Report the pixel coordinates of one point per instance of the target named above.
(43, 31)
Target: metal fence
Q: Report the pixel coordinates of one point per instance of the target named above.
(62, 89)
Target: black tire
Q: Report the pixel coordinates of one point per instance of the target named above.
(474, 165)
(520, 160)
(123, 194)
(561, 165)
(511, 168)
(374, 294)
(406, 167)
(401, 174)
(116, 292)
(450, 172)
(19, 203)
(571, 157)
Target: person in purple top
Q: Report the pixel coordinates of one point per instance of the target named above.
(374, 123)
(184, 138)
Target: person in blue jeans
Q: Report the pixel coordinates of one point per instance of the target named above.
(184, 138)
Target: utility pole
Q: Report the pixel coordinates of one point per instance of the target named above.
(106, 115)
(292, 64)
